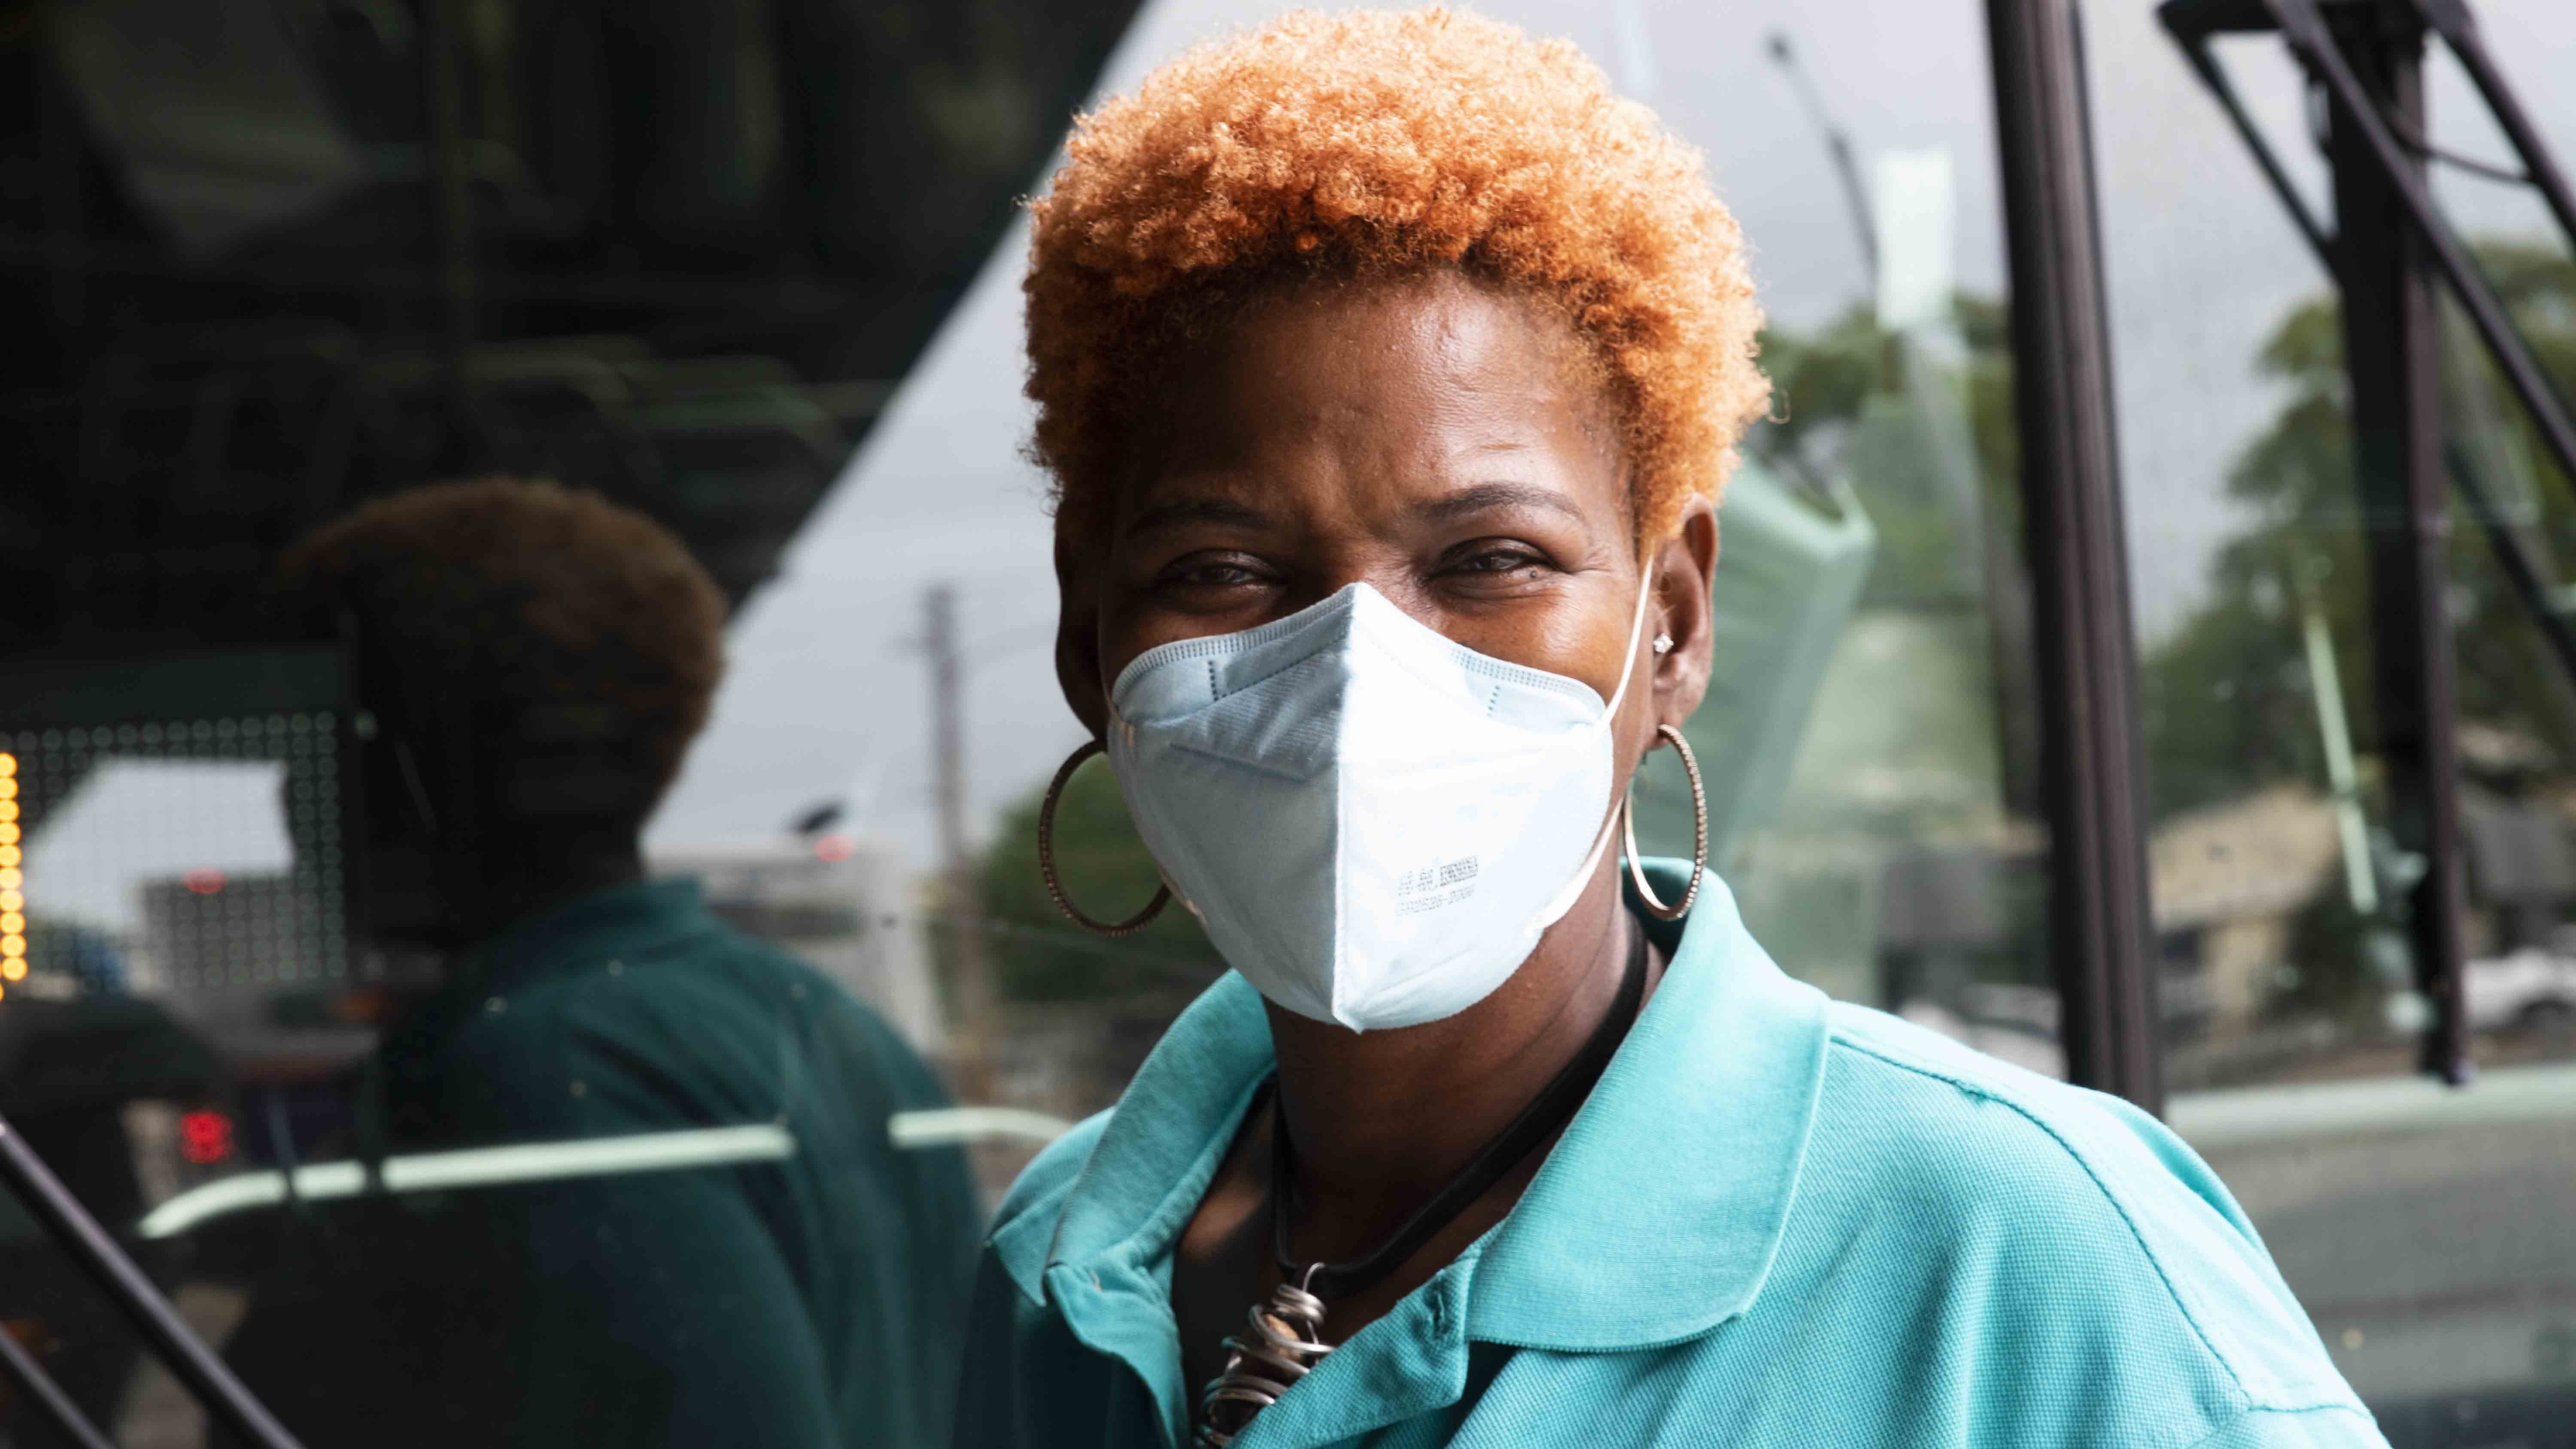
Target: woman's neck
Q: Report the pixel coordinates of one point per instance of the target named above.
(1382, 1120)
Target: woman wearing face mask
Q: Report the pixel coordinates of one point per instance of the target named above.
(1390, 370)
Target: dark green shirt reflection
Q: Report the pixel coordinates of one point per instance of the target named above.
(808, 1302)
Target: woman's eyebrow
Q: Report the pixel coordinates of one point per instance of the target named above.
(1196, 510)
(1481, 496)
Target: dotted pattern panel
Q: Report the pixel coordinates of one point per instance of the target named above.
(180, 926)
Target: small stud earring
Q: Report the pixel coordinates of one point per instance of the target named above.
(1663, 643)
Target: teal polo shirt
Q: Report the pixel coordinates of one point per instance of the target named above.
(1779, 1220)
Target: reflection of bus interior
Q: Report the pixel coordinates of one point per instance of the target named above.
(172, 935)
(674, 255)
(188, 1022)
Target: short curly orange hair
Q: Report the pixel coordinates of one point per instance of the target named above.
(1379, 143)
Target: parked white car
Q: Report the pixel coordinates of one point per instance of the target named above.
(2530, 987)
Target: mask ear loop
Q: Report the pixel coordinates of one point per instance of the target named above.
(1573, 891)
(1636, 631)
(1699, 835)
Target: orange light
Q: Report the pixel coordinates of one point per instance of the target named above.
(8, 808)
(8, 787)
(13, 921)
(8, 763)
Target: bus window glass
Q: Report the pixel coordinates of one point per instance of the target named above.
(2406, 1215)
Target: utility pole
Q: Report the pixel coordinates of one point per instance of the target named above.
(970, 1039)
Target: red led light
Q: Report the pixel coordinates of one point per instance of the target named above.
(203, 882)
(205, 1137)
(835, 847)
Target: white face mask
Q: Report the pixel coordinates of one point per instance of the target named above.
(1373, 821)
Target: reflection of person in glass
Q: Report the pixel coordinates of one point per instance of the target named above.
(1390, 370)
(536, 662)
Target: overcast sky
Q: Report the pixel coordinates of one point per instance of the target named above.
(828, 696)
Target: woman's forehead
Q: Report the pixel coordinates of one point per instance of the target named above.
(1403, 385)
(1434, 326)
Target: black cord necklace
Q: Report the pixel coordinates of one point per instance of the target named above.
(1284, 1341)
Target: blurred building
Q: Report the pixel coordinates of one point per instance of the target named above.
(845, 904)
(2227, 884)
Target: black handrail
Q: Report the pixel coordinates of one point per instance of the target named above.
(2458, 28)
(48, 1396)
(2521, 569)
(212, 1385)
(2303, 26)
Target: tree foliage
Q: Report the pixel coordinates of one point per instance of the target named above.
(2228, 701)
(1037, 954)
(1846, 405)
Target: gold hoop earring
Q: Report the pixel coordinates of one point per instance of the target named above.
(1046, 858)
(1699, 835)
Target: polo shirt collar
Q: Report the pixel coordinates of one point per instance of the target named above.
(1655, 1218)
(1659, 1212)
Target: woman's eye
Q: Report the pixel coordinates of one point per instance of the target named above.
(1496, 561)
(1211, 574)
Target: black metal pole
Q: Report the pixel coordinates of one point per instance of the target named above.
(65, 206)
(2304, 28)
(2392, 349)
(961, 894)
(48, 1396)
(2077, 554)
(2195, 51)
(2459, 29)
(451, 213)
(89, 1247)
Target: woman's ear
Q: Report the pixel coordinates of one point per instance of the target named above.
(1077, 637)
(1685, 567)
